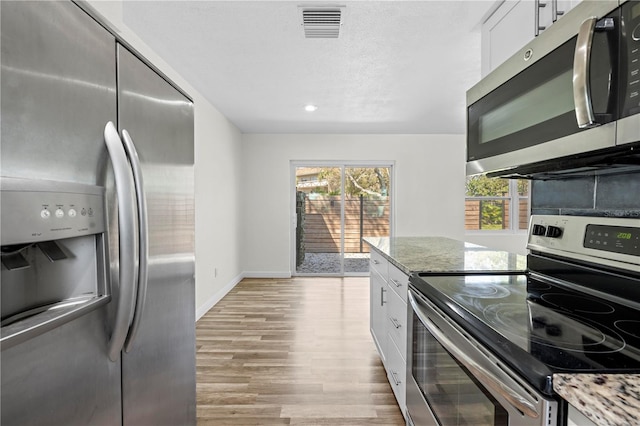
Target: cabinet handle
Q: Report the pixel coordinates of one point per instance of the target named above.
(394, 376)
(538, 4)
(395, 322)
(382, 290)
(555, 13)
(396, 283)
(375, 262)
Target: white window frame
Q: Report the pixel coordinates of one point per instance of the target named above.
(294, 164)
(514, 213)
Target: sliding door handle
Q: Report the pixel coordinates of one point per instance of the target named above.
(143, 237)
(126, 237)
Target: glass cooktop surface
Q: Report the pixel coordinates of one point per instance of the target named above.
(561, 328)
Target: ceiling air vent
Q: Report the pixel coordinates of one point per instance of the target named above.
(321, 22)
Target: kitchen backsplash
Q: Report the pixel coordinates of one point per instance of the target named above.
(606, 195)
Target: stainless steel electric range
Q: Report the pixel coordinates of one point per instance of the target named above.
(483, 348)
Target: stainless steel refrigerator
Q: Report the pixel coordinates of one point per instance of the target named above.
(98, 316)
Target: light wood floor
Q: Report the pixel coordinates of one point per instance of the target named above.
(292, 351)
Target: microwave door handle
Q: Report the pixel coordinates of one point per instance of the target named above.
(143, 237)
(487, 377)
(127, 243)
(581, 60)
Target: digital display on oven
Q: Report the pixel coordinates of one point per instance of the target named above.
(616, 239)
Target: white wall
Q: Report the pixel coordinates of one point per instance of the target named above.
(429, 187)
(217, 178)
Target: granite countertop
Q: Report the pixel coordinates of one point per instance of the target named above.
(444, 255)
(605, 399)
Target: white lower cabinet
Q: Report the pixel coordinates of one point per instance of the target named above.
(378, 312)
(576, 418)
(396, 373)
(389, 321)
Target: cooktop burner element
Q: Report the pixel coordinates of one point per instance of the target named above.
(630, 327)
(477, 287)
(579, 304)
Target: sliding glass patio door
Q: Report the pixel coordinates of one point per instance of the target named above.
(336, 206)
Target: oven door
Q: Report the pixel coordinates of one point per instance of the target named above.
(452, 380)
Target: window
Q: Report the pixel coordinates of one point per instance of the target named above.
(489, 201)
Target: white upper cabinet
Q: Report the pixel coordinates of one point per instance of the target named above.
(513, 24)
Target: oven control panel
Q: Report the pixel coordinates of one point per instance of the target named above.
(608, 240)
(617, 239)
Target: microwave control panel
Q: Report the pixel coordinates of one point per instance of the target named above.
(630, 52)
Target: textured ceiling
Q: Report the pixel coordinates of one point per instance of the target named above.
(397, 67)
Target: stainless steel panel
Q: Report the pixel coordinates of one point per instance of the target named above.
(629, 129)
(58, 91)
(554, 36)
(577, 143)
(62, 377)
(159, 370)
(417, 407)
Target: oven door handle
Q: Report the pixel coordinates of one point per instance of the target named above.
(488, 378)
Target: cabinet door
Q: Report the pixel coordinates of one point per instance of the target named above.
(397, 322)
(378, 314)
(576, 418)
(509, 28)
(564, 6)
(396, 374)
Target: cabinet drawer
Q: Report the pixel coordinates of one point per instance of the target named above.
(379, 263)
(397, 322)
(398, 281)
(396, 373)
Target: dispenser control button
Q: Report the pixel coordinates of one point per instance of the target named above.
(554, 232)
(45, 214)
(59, 213)
(72, 213)
(539, 230)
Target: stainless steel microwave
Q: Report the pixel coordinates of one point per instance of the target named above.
(567, 101)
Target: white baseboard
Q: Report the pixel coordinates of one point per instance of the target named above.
(217, 297)
(254, 274)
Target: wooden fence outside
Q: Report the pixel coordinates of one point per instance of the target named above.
(472, 214)
(362, 217)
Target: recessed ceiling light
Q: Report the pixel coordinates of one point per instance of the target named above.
(310, 108)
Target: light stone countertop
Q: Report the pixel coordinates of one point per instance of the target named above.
(605, 399)
(439, 254)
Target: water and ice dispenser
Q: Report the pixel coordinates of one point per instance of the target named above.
(54, 255)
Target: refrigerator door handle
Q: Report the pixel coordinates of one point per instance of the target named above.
(127, 239)
(143, 237)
